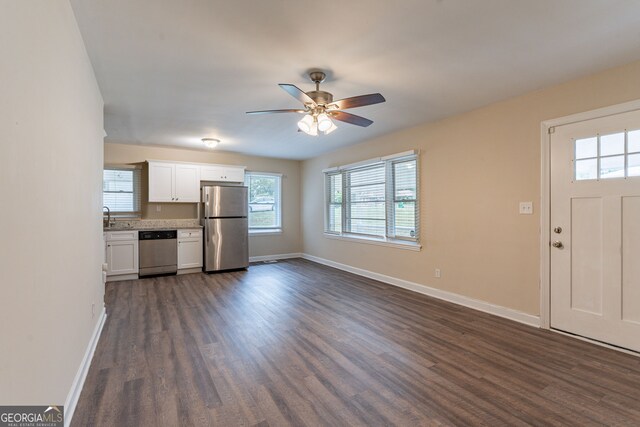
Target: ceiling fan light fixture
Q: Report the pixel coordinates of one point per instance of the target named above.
(324, 122)
(331, 129)
(306, 123)
(314, 129)
(210, 142)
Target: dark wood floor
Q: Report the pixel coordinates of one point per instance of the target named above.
(297, 343)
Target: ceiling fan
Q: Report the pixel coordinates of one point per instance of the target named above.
(320, 108)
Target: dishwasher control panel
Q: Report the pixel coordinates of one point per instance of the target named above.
(158, 234)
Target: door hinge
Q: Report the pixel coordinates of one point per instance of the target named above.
(552, 130)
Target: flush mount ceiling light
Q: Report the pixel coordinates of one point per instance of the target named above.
(320, 109)
(210, 142)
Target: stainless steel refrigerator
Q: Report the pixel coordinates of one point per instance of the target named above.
(226, 227)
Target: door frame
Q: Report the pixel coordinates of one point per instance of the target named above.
(545, 194)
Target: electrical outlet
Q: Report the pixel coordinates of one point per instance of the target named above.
(437, 273)
(93, 310)
(526, 208)
(158, 208)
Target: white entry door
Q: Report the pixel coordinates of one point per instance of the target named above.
(595, 229)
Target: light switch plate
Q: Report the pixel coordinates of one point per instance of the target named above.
(526, 208)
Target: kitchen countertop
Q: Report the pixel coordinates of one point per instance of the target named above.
(154, 224)
(198, 227)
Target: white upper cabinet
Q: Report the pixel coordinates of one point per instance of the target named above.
(174, 182)
(180, 182)
(222, 173)
(161, 182)
(187, 183)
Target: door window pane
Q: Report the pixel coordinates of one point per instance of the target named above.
(633, 138)
(586, 169)
(612, 167)
(587, 147)
(634, 165)
(612, 144)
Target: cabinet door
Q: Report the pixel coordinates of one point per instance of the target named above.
(234, 174)
(187, 183)
(122, 257)
(212, 173)
(161, 182)
(189, 253)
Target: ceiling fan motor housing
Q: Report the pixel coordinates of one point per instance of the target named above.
(320, 97)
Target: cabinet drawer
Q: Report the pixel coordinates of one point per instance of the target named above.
(122, 235)
(189, 233)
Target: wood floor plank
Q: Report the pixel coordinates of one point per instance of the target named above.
(301, 344)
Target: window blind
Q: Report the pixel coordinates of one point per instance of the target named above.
(402, 210)
(377, 198)
(121, 190)
(365, 200)
(333, 188)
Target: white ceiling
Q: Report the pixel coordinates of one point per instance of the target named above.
(174, 71)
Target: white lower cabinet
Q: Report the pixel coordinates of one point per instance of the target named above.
(189, 249)
(122, 255)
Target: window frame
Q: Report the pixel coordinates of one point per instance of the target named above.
(390, 237)
(136, 191)
(277, 229)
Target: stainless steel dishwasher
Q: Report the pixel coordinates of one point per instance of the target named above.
(158, 251)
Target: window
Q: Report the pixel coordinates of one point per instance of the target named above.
(375, 199)
(121, 190)
(616, 155)
(264, 202)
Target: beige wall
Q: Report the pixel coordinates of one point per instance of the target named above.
(50, 173)
(288, 242)
(475, 169)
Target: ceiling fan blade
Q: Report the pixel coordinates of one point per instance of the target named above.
(350, 118)
(290, 110)
(357, 101)
(297, 93)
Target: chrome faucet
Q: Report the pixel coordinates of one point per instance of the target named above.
(108, 223)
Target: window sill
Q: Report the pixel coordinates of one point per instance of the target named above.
(398, 244)
(271, 232)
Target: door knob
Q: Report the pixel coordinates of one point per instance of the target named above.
(557, 244)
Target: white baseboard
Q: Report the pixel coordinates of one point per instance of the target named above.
(81, 375)
(508, 313)
(274, 257)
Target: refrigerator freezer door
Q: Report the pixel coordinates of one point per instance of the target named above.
(220, 201)
(226, 244)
